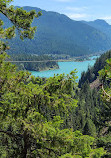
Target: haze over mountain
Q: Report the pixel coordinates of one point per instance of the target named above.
(58, 34)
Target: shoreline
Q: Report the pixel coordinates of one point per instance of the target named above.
(66, 68)
(73, 59)
(48, 69)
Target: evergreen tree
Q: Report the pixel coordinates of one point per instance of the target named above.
(33, 110)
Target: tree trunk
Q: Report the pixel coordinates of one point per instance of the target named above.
(25, 145)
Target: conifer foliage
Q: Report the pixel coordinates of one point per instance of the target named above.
(33, 111)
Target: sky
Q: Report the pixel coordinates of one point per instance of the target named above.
(88, 10)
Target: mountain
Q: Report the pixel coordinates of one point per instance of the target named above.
(58, 34)
(101, 25)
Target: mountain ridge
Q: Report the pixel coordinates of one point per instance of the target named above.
(58, 34)
(101, 25)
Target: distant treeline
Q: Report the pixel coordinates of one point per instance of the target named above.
(33, 66)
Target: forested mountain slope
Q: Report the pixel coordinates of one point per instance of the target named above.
(56, 33)
(92, 72)
(101, 25)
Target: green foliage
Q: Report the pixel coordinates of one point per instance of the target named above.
(20, 19)
(94, 104)
(31, 115)
(89, 128)
(98, 153)
(104, 141)
(105, 77)
(106, 72)
(34, 112)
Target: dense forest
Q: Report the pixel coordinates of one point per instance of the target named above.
(92, 72)
(53, 117)
(44, 64)
(93, 114)
(101, 25)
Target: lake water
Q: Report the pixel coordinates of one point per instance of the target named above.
(65, 67)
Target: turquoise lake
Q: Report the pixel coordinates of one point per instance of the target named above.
(65, 67)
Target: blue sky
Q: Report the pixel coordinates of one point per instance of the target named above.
(88, 10)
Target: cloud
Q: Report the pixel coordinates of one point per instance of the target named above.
(77, 16)
(106, 18)
(76, 9)
(76, 12)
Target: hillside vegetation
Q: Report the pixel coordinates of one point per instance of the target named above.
(101, 25)
(92, 72)
(53, 117)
